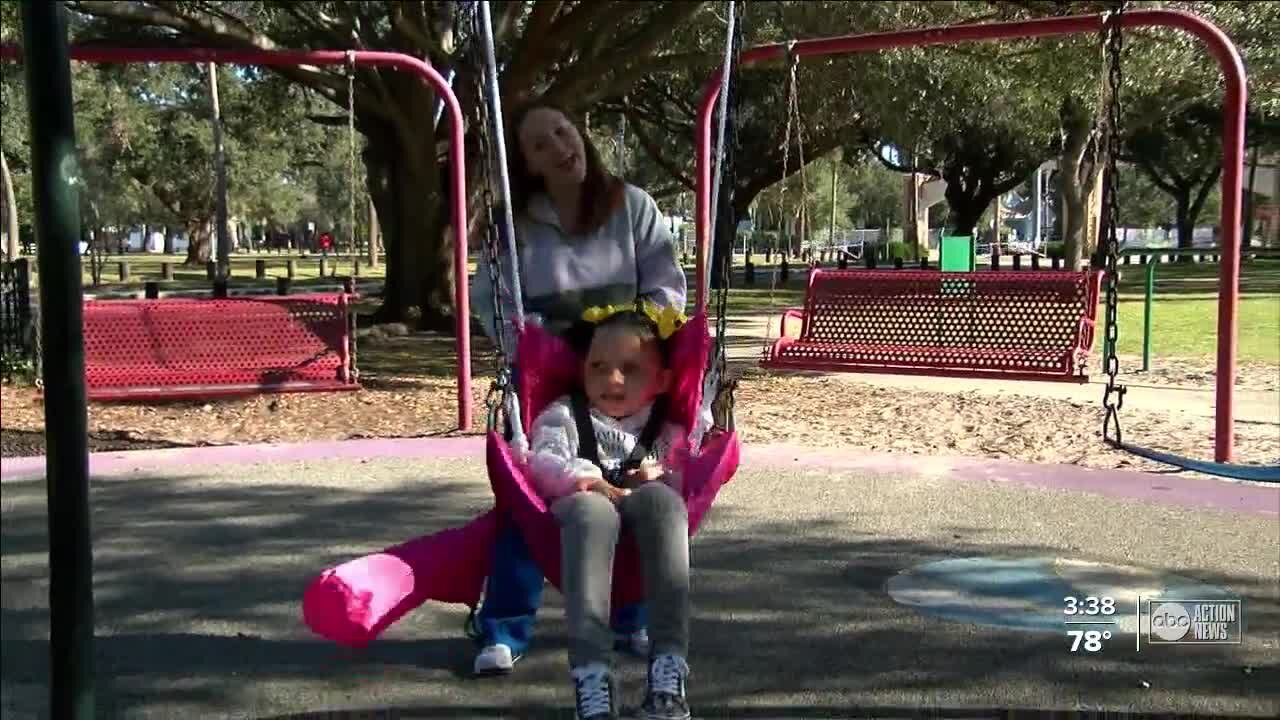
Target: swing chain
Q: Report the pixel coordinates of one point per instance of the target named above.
(1113, 398)
(723, 406)
(351, 152)
(500, 390)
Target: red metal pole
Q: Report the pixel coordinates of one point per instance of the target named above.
(457, 175)
(1223, 50)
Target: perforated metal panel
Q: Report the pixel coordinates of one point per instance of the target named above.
(185, 347)
(1037, 323)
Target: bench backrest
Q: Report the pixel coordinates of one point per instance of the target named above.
(179, 342)
(1029, 310)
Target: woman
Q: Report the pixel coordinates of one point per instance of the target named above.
(584, 238)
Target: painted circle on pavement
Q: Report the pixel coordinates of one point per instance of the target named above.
(1030, 594)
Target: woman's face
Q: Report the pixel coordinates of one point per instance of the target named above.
(552, 148)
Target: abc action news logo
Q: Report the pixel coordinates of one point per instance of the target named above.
(1206, 622)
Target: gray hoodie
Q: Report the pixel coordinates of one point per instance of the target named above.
(632, 255)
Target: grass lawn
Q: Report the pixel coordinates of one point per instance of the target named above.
(146, 266)
(1184, 315)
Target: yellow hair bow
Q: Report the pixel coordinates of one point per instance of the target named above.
(667, 318)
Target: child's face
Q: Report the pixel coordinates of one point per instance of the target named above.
(623, 372)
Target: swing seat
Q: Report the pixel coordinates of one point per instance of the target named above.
(1037, 325)
(187, 348)
(549, 369)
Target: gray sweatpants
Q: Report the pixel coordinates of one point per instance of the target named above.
(589, 529)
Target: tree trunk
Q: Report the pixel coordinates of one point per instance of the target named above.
(168, 241)
(1072, 216)
(915, 218)
(199, 243)
(1186, 224)
(405, 181)
(965, 206)
(1092, 218)
(1246, 238)
(374, 234)
(9, 209)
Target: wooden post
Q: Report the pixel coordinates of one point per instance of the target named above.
(122, 269)
(260, 268)
(291, 266)
(282, 285)
(166, 270)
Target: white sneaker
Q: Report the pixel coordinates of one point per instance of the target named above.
(637, 643)
(495, 660)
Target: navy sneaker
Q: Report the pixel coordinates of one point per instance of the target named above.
(665, 698)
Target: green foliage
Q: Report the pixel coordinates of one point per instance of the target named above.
(1055, 249)
(897, 249)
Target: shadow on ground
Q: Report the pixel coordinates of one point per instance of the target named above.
(198, 585)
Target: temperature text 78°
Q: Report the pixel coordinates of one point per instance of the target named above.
(1090, 640)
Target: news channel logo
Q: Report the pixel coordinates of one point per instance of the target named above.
(1194, 622)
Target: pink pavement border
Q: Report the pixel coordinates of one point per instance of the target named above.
(1191, 492)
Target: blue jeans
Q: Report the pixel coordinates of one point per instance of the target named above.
(513, 594)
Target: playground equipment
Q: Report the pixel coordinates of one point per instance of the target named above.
(949, 321)
(1229, 60)
(46, 60)
(184, 348)
(1034, 326)
(1229, 292)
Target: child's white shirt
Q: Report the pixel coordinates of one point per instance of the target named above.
(554, 462)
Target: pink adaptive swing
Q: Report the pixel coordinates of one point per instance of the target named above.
(351, 604)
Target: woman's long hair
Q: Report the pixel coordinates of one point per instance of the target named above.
(601, 190)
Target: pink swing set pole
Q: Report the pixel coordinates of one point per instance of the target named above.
(1233, 111)
(407, 63)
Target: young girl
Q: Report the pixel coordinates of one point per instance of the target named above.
(596, 456)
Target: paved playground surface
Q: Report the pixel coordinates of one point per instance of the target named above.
(202, 556)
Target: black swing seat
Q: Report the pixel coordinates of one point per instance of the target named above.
(1033, 325)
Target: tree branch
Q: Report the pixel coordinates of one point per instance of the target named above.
(1154, 176)
(211, 28)
(539, 24)
(408, 30)
(654, 151)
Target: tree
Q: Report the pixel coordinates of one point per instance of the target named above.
(574, 51)
(1182, 156)
(15, 195)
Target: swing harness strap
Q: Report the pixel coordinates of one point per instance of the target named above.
(589, 450)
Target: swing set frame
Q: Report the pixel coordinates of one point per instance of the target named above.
(1233, 109)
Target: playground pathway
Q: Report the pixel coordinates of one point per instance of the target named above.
(806, 563)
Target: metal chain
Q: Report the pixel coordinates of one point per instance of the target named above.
(500, 389)
(351, 153)
(725, 390)
(1113, 398)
